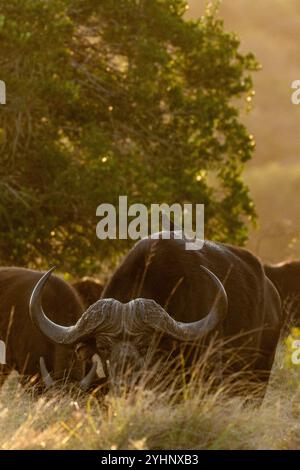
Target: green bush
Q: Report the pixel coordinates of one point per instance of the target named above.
(122, 97)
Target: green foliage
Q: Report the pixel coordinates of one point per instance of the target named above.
(118, 97)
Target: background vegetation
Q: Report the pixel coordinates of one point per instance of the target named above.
(112, 98)
(270, 29)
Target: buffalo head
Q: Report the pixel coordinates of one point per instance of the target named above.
(123, 337)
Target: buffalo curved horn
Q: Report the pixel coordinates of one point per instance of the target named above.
(160, 320)
(95, 372)
(84, 384)
(55, 333)
(67, 335)
(47, 379)
(87, 381)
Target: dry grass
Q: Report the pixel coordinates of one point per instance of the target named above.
(147, 420)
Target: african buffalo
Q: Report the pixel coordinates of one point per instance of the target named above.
(89, 289)
(286, 278)
(180, 298)
(24, 343)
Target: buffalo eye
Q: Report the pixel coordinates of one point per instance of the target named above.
(84, 351)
